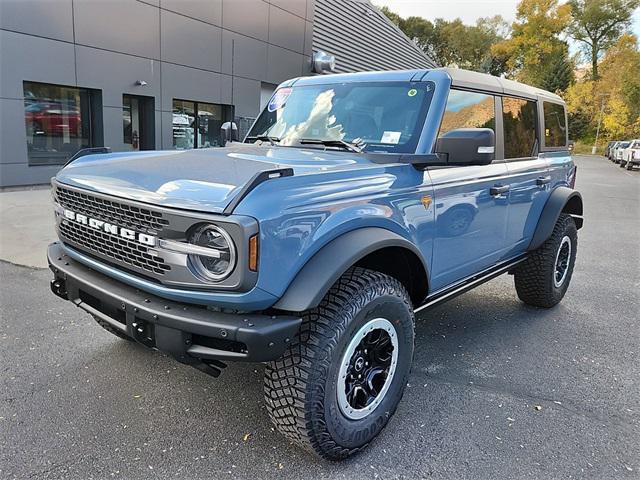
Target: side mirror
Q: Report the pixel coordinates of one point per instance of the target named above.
(229, 132)
(467, 146)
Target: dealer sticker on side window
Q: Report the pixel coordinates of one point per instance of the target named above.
(279, 99)
(390, 137)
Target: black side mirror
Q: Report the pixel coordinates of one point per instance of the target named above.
(467, 146)
(229, 132)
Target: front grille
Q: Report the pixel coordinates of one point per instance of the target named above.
(114, 247)
(107, 245)
(129, 216)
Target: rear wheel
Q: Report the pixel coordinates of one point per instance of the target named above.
(340, 382)
(543, 279)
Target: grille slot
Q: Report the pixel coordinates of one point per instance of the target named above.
(129, 216)
(114, 247)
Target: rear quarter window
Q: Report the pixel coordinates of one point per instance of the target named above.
(555, 126)
(519, 118)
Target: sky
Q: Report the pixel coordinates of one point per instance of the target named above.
(467, 10)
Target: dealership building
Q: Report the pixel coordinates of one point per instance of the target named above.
(165, 74)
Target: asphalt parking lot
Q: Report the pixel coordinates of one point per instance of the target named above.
(498, 389)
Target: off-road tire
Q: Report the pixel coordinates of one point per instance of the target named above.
(534, 278)
(112, 330)
(301, 387)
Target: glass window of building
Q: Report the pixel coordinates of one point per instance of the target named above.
(196, 124)
(58, 122)
(468, 110)
(555, 127)
(519, 118)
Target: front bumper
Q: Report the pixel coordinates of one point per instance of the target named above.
(191, 333)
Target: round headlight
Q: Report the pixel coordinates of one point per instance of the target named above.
(218, 266)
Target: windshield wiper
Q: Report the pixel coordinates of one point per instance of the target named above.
(332, 143)
(267, 138)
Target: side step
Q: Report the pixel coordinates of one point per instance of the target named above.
(467, 284)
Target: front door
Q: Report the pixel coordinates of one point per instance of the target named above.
(471, 202)
(471, 207)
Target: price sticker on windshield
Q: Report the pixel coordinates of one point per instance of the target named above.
(279, 99)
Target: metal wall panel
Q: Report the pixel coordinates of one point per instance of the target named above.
(46, 19)
(25, 57)
(243, 56)
(209, 11)
(283, 64)
(116, 74)
(297, 7)
(125, 26)
(188, 84)
(178, 45)
(362, 38)
(249, 17)
(246, 97)
(286, 29)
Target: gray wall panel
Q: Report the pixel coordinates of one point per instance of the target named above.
(246, 97)
(13, 133)
(226, 89)
(116, 74)
(297, 7)
(49, 61)
(285, 29)
(308, 38)
(188, 84)
(249, 17)
(166, 135)
(311, 9)
(125, 26)
(20, 174)
(249, 56)
(178, 45)
(209, 11)
(53, 19)
(282, 64)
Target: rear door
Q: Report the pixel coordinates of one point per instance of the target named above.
(529, 175)
(470, 217)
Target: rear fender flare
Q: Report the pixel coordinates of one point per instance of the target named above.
(561, 200)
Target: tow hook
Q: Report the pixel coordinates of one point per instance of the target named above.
(59, 287)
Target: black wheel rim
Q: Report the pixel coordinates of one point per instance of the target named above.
(367, 368)
(563, 258)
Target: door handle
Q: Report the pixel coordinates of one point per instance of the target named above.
(542, 181)
(498, 190)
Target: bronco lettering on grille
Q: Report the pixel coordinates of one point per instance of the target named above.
(106, 227)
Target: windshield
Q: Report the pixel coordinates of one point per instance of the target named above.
(377, 117)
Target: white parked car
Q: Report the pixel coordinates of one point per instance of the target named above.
(631, 155)
(617, 152)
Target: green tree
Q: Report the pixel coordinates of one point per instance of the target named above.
(534, 53)
(452, 43)
(597, 24)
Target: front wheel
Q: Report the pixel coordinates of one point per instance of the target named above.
(543, 278)
(339, 383)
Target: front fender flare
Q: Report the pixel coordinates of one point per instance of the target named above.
(314, 280)
(561, 200)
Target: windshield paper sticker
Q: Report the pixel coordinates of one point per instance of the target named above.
(279, 99)
(390, 137)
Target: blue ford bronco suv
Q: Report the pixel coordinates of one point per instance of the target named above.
(355, 201)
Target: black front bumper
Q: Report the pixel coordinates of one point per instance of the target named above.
(191, 333)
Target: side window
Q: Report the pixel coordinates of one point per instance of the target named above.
(468, 110)
(519, 120)
(555, 128)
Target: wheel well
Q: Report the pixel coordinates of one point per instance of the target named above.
(574, 208)
(403, 265)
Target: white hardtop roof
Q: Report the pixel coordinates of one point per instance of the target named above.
(483, 81)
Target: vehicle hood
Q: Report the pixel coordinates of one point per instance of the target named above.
(203, 180)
